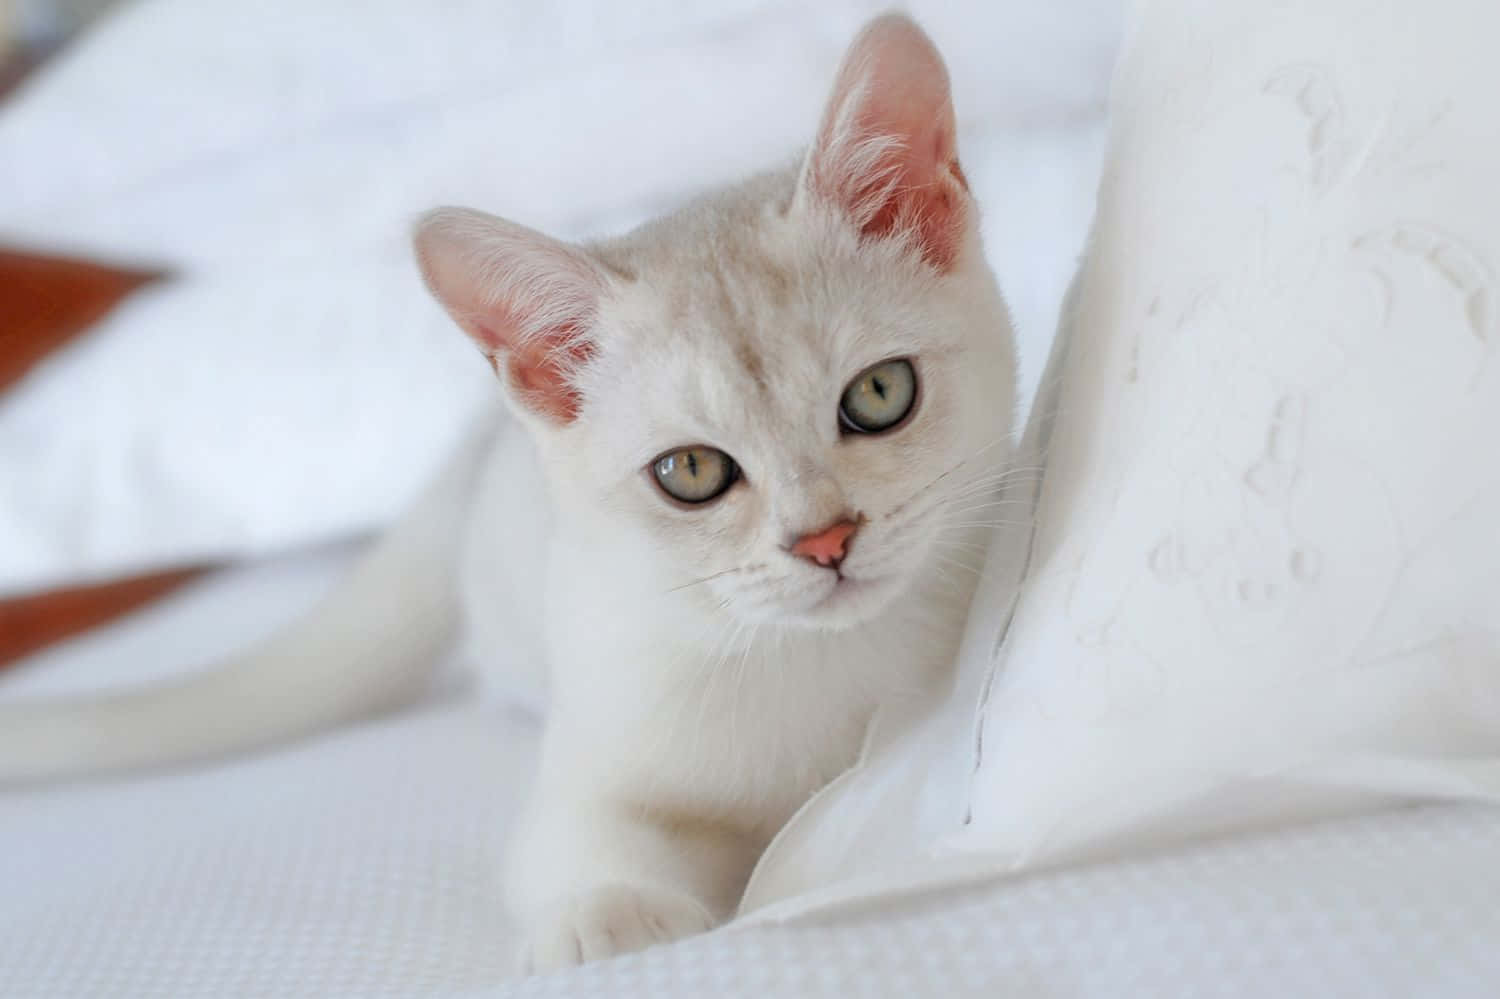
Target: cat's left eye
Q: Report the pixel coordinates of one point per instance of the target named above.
(880, 398)
(694, 474)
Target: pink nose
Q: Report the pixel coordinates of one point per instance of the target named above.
(826, 547)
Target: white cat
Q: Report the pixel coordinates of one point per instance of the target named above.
(738, 514)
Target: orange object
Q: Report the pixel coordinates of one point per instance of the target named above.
(30, 623)
(45, 301)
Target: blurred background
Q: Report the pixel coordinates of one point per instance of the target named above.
(214, 348)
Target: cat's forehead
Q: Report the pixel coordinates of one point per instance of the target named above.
(742, 276)
(734, 318)
(745, 304)
(725, 262)
(729, 343)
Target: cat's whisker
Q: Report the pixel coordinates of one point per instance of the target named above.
(968, 522)
(996, 487)
(978, 555)
(974, 507)
(1002, 439)
(947, 578)
(681, 690)
(954, 562)
(988, 485)
(1017, 470)
(947, 472)
(986, 494)
(982, 516)
(962, 520)
(739, 683)
(964, 506)
(712, 576)
(1015, 473)
(998, 482)
(977, 499)
(988, 482)
(964, 545)
(967, 504)
(711, 682)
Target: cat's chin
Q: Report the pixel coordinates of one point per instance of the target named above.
(848, 603)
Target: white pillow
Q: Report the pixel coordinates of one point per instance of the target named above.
(1264, 583)
(209, 420)
(320, 124)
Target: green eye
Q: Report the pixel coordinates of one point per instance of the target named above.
(695, 474)
(879, 398)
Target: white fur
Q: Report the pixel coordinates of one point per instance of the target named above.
(702, 681)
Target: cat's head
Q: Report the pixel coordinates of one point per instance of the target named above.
(794, 391)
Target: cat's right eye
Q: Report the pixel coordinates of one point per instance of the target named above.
(695, 474)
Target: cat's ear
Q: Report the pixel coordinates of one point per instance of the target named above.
(527, 300)
(886, 153)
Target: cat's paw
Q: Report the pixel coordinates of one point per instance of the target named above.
(613, 919)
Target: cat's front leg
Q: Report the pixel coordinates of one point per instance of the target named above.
(595, 875)
(609, 919)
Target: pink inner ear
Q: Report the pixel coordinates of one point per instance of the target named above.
(541, 371)
(893, 87)
(926, 198)
(528, 301)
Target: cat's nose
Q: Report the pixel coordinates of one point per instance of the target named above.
(828, 545)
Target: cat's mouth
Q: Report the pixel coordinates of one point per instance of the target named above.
(844, 589)
(850, 600)
(821, 598)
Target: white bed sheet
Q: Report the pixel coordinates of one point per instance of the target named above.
(364, 863)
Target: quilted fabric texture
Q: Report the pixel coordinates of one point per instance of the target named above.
(1401, 905)
(364, 867)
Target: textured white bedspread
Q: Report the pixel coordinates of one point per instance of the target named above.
(364, 864)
